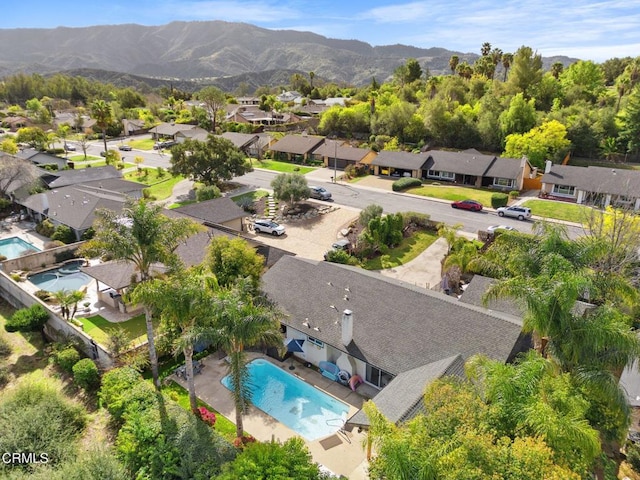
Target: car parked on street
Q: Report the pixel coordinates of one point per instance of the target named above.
(494, 228)
(319, 193)
(124, 148)
(268, 226)
(521, 213)
(69, 147)
(467, 205)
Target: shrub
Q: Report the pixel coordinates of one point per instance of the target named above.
(2, 258)
(207, 416)
(36, 417)
(5, 346)
(207, 193)
(514, 193)
(124, 390)
(120, 166)
(64, 234)
(88, 234)
(4, 203)
(45, 228)
(43, 295)
(64, 255)
(146, 193)
(405, 183)
(422, 220)
(16, 277)
(86, 374)
(29, 319)
(67, 358)
(340, 256)
(54, 244)
(4, 376)
(161, 172)
(499, 200)
(370, 212)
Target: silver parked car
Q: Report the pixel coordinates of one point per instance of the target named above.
(319, 193)
(521, 213)
(268, 226)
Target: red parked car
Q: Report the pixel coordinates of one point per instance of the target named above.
(467, 205)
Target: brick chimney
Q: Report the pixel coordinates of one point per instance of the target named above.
(347, 327)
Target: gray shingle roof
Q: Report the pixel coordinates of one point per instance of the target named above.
(241, 140)
(217, 210)
(396, 326)
(405, 160)
(401, 400)
(297, 144)
(596, 179)
(75, 177)
(459, 162)
(504, 168)
(343, 152)
(477, 288)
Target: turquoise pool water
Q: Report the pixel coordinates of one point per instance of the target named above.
(13, 247)
(308, 411)
(67, 277)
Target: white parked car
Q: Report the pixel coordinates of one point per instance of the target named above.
(493, 228)
(521, 213)
(268, 226)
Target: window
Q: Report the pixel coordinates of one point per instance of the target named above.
(503, 182)
(564, 190)
(378, 377)
(316, 342)
(442, 175)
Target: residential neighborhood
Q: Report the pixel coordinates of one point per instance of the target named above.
(323, 281)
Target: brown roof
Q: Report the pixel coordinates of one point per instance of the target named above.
(297, 144)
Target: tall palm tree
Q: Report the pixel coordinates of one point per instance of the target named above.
(185, 302)
(241, 323)
(507, 60)
(103, 115)
(453, 63)
(143, 236)
(68, 301)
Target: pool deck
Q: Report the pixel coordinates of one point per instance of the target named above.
(346, 458)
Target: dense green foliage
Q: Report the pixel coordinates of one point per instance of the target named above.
(291, 187)
(66, 358)
(86, 374)
(405, 183)
(233, 259)
(30, 319)
(207, 192)
(499, 200)
(273, 461)
(35, 417)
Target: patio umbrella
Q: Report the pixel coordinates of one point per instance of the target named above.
(294, 346)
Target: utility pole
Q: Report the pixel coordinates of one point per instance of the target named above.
(335, 161)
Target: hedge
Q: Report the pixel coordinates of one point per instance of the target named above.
(86, 374)
(406, 182)
(29, 319)
(499, 200)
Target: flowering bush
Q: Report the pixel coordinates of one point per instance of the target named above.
(207, 416)
(240, 442)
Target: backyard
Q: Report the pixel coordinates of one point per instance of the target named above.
(99, 328)
(160, 181)
(408, 249)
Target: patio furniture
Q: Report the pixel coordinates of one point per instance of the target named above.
(329, 370)
(181, 371)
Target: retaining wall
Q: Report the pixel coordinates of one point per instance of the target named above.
(34, 261)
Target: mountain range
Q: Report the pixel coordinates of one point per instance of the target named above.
(211, 52)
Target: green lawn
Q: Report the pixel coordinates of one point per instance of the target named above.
(99, 163)
(80, 158)
(569, 212)
(451, 193)
(252, 196)
(146, 144)
(408, 249)
(98, 328)
(159, 187)
(223, 426)
(284, 167)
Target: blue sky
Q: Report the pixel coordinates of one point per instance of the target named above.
(586, 29)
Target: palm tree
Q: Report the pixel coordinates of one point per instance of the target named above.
(66, 299)
(143, 236)
(242, 323)
(103, 115)
(556, 69)
(453, 63)
(185, 302)
(507, 60)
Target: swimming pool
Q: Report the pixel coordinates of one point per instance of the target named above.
(67, 277)
(13, 247)
(308, 411)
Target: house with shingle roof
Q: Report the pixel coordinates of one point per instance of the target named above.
(337, 154)
(384, 329)
(252, 144)
(220, 211)
(600, 186)
(41, 158)
(63, 178)
(392, 163)
(296, 148)
(170, 130)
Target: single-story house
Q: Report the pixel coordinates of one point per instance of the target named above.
(396, 336)
(73, 206)
(63, 178)
(170, 130)
(42, 158)
(14, 123)
(335, 154)
(199, 134)
(600, 186)
(248, 100)
(252, 145)
(133, 126)
(252, 115)
(390, 163)
(296, 148)
(221, 211)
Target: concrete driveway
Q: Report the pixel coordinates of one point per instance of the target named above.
(311, 238)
